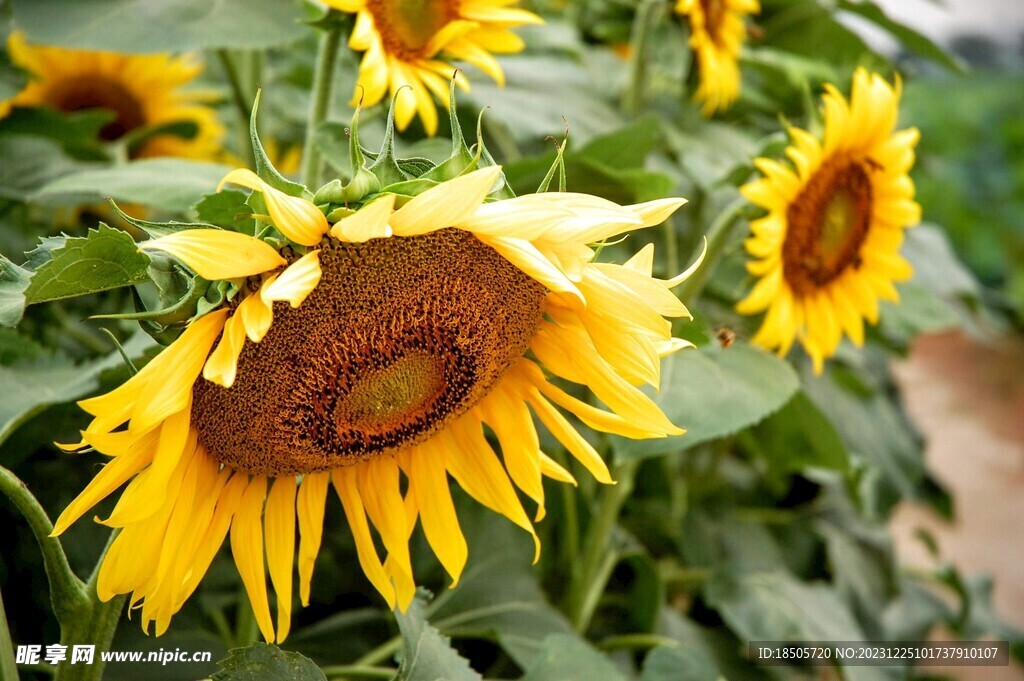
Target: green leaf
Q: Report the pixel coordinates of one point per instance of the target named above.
(908, 37)
(227, 208)
(13, 282)
(30, 163)
(798, 437)
(147, 26)
(872, 427)
(671, 663)
(36, 381)
(171, 184)
(261, 662)
(105, 259)
(568, 657)
(713, 393)
(774, 606)
(511, 610)
(427, 655)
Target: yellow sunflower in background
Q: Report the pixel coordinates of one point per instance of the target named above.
(410, 43)
(717, 33)
(828, 250)
(369, 356)
(143, 91)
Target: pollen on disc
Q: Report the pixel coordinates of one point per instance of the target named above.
(401, 336)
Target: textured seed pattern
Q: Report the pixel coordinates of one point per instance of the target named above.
(401, 336)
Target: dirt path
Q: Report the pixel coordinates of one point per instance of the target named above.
(968, 401)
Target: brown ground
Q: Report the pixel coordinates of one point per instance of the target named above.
(968, 400)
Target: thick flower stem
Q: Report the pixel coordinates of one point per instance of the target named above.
(644, 21)
(599, 555)
(323, 80)
(719, 236)
(93, 625)
(67, 593)
(8, 670)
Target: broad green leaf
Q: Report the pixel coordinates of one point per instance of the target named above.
(172, 184)
(33, 383)
(774, 606)
(872, 427)
(568, 658)
(676, 663)
(13, 282)
(426, 654)
(105, 259)
(147, 26)
(908, 37)
(261, 662)
(512, 609)
(31, 162)
(713, 393)
(798, 437)
(861, 560)
(527, 111)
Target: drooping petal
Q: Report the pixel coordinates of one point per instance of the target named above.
(217, 254)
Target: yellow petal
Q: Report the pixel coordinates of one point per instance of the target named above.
(445, 205)
(428, 483)
(295, 217)
(346, 486)
(311, 499)
(217, 254)
(296, 282)
(382, 498)
(369, 222)
(280, 538)
(247, 548)
(222, 365)
(574, 443)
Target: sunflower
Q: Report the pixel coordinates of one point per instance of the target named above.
(142, 91)
(407, 44)
(828, 249)
(369, 356)
(716, 37)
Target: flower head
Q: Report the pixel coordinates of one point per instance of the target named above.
(716, 37)
(412, 43)
(142, 91)
(371, 356)
(828, 249)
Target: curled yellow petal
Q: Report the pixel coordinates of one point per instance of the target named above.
(295, 217)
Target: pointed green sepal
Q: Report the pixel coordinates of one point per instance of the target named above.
(264, 168)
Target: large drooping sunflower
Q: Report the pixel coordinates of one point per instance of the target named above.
(412, 43)
(143, 91)
(717, 33)
(828, 249)
(369, 356)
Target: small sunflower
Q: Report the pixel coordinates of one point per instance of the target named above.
(369, 356)
(717, 33)
(143, 91)
(410, 43)
(828, 250)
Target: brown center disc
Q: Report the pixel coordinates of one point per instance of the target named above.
(827, 225)
(102, 93)
(401, 336)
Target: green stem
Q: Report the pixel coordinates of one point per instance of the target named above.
(718, 237)
(95, 625)
(647, 14)
(240, 99)
(323, 80)
(358, 671)
(635, 642)
(8, 669)
(599, 556)
(381, 653)
(671, 247)
(67, 593)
